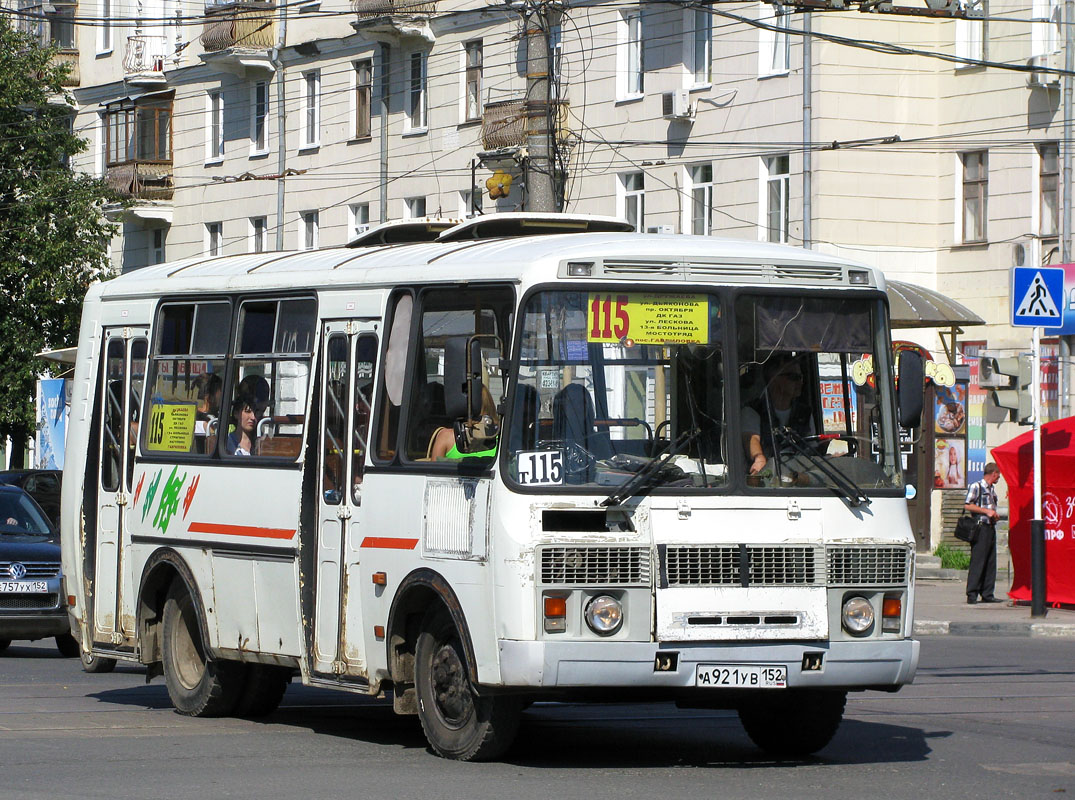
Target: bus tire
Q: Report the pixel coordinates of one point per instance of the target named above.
(97, 664)
(798, 723)
(68, 645)
(458, 723)
(197, 685)
(264, 689)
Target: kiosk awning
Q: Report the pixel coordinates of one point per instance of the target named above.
(914, 306)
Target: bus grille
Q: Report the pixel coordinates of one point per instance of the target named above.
(28, 602)
(595, 566)
(695, 270)
(784, 565)
(862, 566)
(35, 570)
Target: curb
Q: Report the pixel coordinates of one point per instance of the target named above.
(929, 627)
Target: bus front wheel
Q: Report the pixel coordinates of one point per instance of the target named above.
(197, 685)
(97, 664)
(458, 723)
(794, 723)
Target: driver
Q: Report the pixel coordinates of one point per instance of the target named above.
(780, 405)
(474, 437)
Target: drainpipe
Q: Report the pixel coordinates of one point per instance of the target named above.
(1064, 372)
(281, 122)
(386, 53)
(808, 119)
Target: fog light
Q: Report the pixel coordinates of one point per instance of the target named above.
(858, 616)
(579, 269)
(604, 615)
(858, 277)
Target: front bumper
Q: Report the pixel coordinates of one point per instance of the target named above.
(844, 665)
(34, 625)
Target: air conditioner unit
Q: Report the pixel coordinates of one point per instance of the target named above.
(1038, 78)
(660, 229)
(677, 105)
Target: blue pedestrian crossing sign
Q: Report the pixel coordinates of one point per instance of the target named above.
(1037, 297)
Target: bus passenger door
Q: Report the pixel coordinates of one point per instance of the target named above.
(350, 350)
(120, 384)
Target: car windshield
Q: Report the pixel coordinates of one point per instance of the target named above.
(19, 515)
(610, 382)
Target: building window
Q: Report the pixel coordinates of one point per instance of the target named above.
(633, 199)
(699, 47)
(140, 132)
(777, 189)
(700, 184)
(214, 238)
(311, 108)
(416, 92)
(363, 99)
(1049, 187)
(157, 252)
(1045, 37)
(473, 92)
(259, 118)
(773, 44)
(360, 218)
(414, 207)
(104, 30)
(975, 195)
(259, 235)
(630, 54)
(971, 34)
(309, 230)
(214, 126)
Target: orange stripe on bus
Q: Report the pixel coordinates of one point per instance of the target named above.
(389, 543)
(240, 530)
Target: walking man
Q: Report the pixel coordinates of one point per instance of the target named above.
(981, 501)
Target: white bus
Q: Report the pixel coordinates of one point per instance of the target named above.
(515, 462)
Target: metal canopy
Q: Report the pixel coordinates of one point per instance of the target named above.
(914, 306)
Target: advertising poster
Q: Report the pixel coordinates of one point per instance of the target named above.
(950, 464)
(950, 409)
(976, 400)
(51, 422)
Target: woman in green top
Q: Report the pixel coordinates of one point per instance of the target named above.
(480, 438)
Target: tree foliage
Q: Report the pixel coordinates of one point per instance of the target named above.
(54, 237)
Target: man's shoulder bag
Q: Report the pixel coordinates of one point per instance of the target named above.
(967, 528)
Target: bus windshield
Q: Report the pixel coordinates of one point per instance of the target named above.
(624, 392)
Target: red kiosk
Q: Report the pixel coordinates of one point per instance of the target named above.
(1016, 462)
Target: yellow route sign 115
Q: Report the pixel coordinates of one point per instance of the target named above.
(647, 318)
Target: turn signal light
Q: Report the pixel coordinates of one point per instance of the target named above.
(555, 614)
(891, 611)
(71, 600)
(380, 578)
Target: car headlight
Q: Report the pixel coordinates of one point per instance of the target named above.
(604, 615)
(857, 616)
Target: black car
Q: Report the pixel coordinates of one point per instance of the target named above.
(32, 605)
(41, 484)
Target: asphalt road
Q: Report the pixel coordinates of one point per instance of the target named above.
(986, 718)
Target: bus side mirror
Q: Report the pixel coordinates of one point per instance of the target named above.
(909, 394)
(455, 377)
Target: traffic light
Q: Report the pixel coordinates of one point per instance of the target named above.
(1017, 397)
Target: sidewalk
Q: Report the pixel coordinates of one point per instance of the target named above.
(941, 608)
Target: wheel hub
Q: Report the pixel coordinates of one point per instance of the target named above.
(451, 688)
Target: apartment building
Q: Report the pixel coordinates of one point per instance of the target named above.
(901, 141)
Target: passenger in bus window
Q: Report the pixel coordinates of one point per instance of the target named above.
(479, 437)
(251, 400)
(210, 388)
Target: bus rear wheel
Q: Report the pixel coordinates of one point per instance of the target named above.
(796, 723)
(264, 689)
(197, 685)
(458, 723)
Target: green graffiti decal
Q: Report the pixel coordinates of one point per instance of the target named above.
(151, 492)
(169, 501)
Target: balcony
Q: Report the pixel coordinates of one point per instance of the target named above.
(504, 124)
(142, 179)
(70, 58)
(393, 21)
(143, 62)
(239, 36)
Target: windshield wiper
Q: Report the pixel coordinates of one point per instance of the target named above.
(851, 490)
(646, 477)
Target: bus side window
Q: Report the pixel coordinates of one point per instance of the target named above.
(395, 369)
(365, 358)
(112, 443)
(139, 351)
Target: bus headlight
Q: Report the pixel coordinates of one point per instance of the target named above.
(857, 616)
(604, 615)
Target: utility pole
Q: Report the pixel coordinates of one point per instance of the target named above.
(538, 109)
(808, 127)
(1063, 372)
